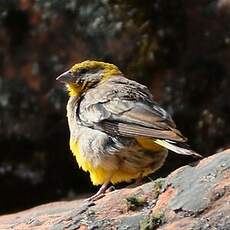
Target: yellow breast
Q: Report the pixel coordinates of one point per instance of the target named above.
(103, 173)
(98, 175)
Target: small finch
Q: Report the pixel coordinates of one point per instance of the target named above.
(117, 131)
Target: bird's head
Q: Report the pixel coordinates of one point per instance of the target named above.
(87, 74)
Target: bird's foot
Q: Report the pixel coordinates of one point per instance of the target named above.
(95, 197)
(110, 189)
(101, 192)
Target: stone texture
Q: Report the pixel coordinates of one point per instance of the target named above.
(196, 196)
(179, 49)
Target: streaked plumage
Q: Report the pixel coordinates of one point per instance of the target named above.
(117, 131)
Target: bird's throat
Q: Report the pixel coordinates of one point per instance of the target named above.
(74, 90)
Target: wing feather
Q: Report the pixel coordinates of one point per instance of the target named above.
(126, 108)
(130, 130)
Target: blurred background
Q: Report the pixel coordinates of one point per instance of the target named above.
(179, 49)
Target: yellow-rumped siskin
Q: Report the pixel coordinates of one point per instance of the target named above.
(117, 131)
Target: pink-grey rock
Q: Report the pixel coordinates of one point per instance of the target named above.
(195, 196)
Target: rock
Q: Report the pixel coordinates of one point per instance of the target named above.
(195, 196)
(179, 49)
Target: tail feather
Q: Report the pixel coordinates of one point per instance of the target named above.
(180, 150)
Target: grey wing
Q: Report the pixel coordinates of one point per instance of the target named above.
(126, 108)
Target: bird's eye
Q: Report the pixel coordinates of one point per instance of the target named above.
(80, 81)
(82, 71)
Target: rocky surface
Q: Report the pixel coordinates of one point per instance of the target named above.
(179, 49)
(194, 197)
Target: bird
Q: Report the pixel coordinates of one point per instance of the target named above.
(118, 132)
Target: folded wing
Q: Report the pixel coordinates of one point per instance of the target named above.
(126, 108)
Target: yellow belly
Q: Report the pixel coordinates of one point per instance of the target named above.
(102, 174)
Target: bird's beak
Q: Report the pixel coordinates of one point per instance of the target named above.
(66, 77)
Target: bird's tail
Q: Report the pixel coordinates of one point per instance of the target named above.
(171, 145)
